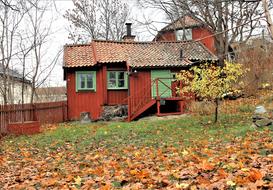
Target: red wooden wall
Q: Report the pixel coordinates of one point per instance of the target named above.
(200, 33)
(84, 101)
(115, 97)
(140, 81)
(197, 33)
(90, 101)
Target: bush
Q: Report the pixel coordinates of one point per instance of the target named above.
(257, 57)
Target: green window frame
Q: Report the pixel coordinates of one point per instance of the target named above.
(85, 81)
(117, 80)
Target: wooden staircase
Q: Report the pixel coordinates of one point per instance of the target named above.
(144, 99)
(140, 102)
(142, 109)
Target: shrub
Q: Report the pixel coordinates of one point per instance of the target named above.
(257, 57)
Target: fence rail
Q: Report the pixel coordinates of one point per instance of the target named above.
(50, 112)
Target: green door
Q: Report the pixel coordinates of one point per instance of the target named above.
(165, 77)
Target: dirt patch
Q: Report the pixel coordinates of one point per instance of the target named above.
(168, 117)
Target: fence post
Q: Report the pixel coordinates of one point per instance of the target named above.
(35, 118)
(63, 111)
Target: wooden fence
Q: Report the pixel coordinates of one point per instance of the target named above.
(50, 112)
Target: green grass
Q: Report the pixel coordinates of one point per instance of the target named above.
(246, 108)
(186, 131)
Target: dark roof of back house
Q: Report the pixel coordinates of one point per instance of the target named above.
(183, 22)
(14, 74)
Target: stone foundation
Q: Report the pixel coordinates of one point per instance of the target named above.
(117, 112)
(26, 128)
(85, 117)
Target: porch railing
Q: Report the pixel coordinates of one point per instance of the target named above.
(144, 96)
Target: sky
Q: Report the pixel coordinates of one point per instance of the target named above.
(60, 34)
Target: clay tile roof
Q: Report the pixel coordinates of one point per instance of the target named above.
(182, 22)
(111, 51)
(78, 55)
(139, 54)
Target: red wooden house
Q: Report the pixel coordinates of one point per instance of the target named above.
(139, 75)
(187, 28)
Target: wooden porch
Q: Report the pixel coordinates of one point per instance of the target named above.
(160, 94)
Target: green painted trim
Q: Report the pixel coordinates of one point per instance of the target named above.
(116, 78)
(94, 74)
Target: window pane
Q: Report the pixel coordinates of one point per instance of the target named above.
(121, 75)
(82, 81)
(180, 35)
(121, 83)
(188, 34)
(112, 75)
(89, 80)
(112, 83)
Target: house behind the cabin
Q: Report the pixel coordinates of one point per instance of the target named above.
(18, 88)
(50, 94)
(187, 28)
(138, 75)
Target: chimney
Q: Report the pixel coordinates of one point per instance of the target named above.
(128, 37)
(181, 56)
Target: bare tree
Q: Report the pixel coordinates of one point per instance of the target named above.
(24, 33)
(230, 21)
(25, 50)
(10, 21)
(94, 19)
(39, 30)
(8, 4)
(268, 17)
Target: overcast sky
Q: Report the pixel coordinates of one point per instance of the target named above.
(60, 34)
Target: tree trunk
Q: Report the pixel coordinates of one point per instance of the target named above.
(268, 17)
(220, 36)
(216, 110)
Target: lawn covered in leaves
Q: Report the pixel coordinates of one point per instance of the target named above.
(184, 153)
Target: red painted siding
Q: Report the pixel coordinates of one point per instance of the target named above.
(197, 33)
(200, 33)
(90, 101)
(84, 101)
(139, 81)
(117, 97)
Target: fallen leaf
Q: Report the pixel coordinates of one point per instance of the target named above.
(78, 180)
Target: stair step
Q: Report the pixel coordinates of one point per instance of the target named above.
(141, 110)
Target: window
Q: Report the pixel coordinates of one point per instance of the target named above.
(184, 34)
(117, 80)
(85, 80)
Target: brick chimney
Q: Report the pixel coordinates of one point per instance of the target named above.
(128, 37)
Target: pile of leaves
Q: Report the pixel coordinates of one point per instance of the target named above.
(207, 162)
